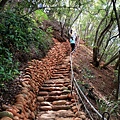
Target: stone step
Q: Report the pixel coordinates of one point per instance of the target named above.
(61, 72)
(67, 84)
(44, 103)
(54, 98)
(49, 89)
(66, 91)
(62, 118)
(60, 102)
(65, 113)
(45, 108)
(55, 107)
(52, 85)
(59, 113)
(57, 77)
(64, 66)
(61, 107)
(57, 81)
(54, 93)
(65, 79)
(43, 93)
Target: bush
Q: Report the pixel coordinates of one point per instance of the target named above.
(18, 35)
(40, 16)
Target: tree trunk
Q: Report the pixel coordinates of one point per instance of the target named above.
(116, 15)
(95, 56)
(62, 29)
(104, 32)
(117, 64)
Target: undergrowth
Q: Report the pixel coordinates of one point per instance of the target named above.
(20, 40)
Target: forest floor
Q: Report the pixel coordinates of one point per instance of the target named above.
(102, 81)
(96, 81)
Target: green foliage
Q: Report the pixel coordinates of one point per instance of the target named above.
(87, 74)
(8, 69)
(49, 30)
(98, 27)
(112, 107)
(40, 16)
(17, 34)
(14, 30)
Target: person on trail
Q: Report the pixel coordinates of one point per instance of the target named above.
(72, 40)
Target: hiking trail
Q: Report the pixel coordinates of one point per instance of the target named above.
(54, 100)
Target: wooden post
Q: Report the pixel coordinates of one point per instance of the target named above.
(118, 86)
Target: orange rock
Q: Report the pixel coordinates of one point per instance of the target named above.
(45, 108)
(78, 118)
(31, 66)
(25, 84)
(26, 114)
(75, 109)
(40, 99)
(6, 118)
(62, 97)
(19, 95)
(28, 72)
(32, 108)
(32, 115)
(16, 118)
(32, 94)
(60, 102)
(21, 99)
(27, 76)
(72, 100)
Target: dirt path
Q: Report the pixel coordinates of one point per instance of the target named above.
(54, 100)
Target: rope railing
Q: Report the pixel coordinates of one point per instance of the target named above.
(82, 101)
(80, 92)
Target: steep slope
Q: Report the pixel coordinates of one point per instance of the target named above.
(103, 80)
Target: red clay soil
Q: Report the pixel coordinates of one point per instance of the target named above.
(102, 80)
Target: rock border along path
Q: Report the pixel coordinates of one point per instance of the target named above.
(51, 98)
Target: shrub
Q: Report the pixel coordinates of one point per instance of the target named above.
(17, 34)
